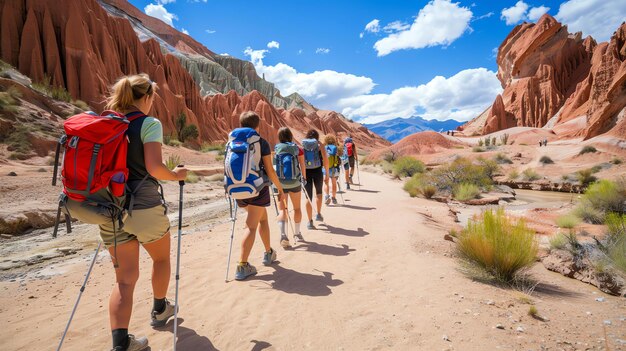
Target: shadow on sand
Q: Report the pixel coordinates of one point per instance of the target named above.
(260, 345)
(362, 208)
(188, 339)
(294, 282)
(311, 246)
(359, 232)
(553, 290)
(365, 191)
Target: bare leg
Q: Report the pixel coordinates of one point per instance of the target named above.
(159, 251)
(334, 187)
(296, 201)
(264, 230)
(252, 222)
(126, 275)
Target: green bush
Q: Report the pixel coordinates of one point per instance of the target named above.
(55, 92)
(504, 138)
(418, 185)
(172, 161)
(448, 176)
(192, 178)
(600, 199)
(589, 214)
(546, 160)
(558, 242)
(189, 132)
(500, 246)
(596, 169)
(390, 157)
(501, 158)
(487, 142)
(407, 166)
(585, 176)
(387, 167)
(81, 105)
(616, 227)
(616, 241)
(587, 149)
(514, 174)
(212, 147)
(567, 221)
(465, 191)
(616, 161)
(19, 143)
(478, 149)
(481, 143)
(530, 175)
(490, 167)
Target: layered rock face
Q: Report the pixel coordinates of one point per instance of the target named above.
(78, 45)
(548, 73)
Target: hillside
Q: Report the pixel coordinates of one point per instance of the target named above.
(396, 129)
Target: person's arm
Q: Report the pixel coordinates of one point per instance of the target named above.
(302, 166)
(153, 158)
(271, 173)
(324, 160)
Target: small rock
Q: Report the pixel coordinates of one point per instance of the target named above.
(589, 313)
(448, 237)
(607, 322)
(600, 299)
(520, 329)
(12, 174)
(445, 338)
(499, 326)
(490, 303)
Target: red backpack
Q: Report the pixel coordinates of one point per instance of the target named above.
(94, 158)
(350, 149)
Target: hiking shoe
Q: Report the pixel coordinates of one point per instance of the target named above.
(310, 225)
(134, 344)
(334, 200)
(298, 237)
(160, 319)
(348, 186)
(284, 241)
(327, 199)
(244, 271)
(269, 257)
(351, 182)
(319, 217)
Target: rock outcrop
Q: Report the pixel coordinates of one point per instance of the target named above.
(549, 74)
(428, 142)
(82, 47)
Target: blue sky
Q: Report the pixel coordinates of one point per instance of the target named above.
(376, 60)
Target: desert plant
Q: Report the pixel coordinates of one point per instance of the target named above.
(616, 161)
(461, 170)
(587, 149)
(387, 167)
(567, 221)
(487, 142)
(466, 191)
(530, 175)
(504, 138)
(499, 245)
(478, 149)
(390, 156)
(81, 105)
(605, 196)
(206, 147)
(19, 143)
(616, 227)
(481, 142)
(558, 241)
(514, 174)
(501, 158)
(407, 166)
(418, 185)
(192, 178)
(493, 141)
(55, 92)
(189, 132)
(172, 161)
(533, 312)
(585, 177)
(546, 160)
(596, 168)
(489, 167)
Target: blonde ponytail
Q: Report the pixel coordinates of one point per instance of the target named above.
(127, 90)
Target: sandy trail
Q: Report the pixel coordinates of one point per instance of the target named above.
(376, 276)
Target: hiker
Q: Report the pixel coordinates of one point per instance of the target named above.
(146, 223)
(316, 164)
(290, 170)
(545, 142)
(256, 206)
(349, 151)
(334, 162)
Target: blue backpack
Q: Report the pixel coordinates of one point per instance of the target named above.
(243, 176)
(286, 161)
(333, 158)
(312, 154)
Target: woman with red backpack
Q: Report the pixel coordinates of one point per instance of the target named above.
(146, 223)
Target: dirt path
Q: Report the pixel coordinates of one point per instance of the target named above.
(376, 276)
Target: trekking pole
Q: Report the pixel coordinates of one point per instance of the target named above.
(340, 192)
(180, 234)
(233, 218)
(82, 288)
(358, 174)
(275, 205)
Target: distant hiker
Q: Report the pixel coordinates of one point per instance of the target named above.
(334, 163)
(146, 223)
(290, 168)
(316, 163)
(545, 142)
(540, 143)
(260, 156)
(349, 151)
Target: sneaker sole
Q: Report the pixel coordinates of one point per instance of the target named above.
(285, 244)
(244, 278)
(158, 324)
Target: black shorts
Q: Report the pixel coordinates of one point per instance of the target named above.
(351, 161)
(314, 177)
(262, 200)
(289, 190)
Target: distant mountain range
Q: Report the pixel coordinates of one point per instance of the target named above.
(396, 129)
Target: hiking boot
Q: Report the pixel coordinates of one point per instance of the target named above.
(284, 241)
(327, 199)
(244, 271)
(310, 225)
(269, 257)
(319, 217)
(134, 344)
(334, 200)
(351, 182)
(298, 237)
(160, 319)
(348, 186)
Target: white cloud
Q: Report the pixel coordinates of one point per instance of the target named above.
(300, 52)
(322, 51)
(373, 26)
(598, 18)
(165, 2)
(487, 15)
(361, 35)
(494, 53)
(210, 31)
(160, 12)
(440, 22)
(273, 44)
(184, 31)
(536, 12)
(461, 97)
(396, 26)
(225, 54)
(514, 14)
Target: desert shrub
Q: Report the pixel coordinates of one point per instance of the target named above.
(465, 191)
(172, 161)
(407, 166)
(558, 241)
(587, 149)
(596, 168)
(615, 243)
(616, 161)
(493, 141)
(81, 105)
(589, 214)
(585, 176)
(487, 142)
(55, 92)
(418, 184)
(189, 132)
(174, 142)
(481, 142)
(616, 227)
(567, 221)
(192, 178)
(9, 99)
(501, 158)
(546, 160)
(18, 142)
(504, 138)
(206, 147)
(530, 175)
(387, 167)
(448, 176)
(499, 245)
(390, 157)
(490, 167)
(478, 149)
(514, 174)
(600, 199)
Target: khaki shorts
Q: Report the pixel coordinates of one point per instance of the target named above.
(146, 226)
